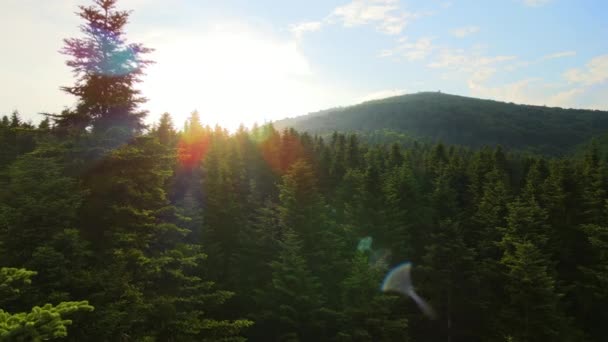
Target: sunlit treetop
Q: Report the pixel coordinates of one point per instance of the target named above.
(106, 68)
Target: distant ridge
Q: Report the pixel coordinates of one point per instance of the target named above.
(453, 119)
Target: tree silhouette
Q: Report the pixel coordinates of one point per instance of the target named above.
(106, 68)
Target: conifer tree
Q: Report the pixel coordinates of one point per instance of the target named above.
(153, 285)
(107, 69)
(491, 213)
(532, 311)
(15, 120)
(40, 203)
(593, 180)
(292, 302)
(41, 323)
(448, 277)
(303, 210)
(528, 221)
(165, 131)
(406, 214)
(395, 156)
(591, 284)
(368, 314)
(223, 213)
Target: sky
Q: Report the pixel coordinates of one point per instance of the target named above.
(243, 61)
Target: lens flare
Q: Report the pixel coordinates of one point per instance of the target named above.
(119, 59)
(269, 142)
(378, 258)
(399, 280)
(365, 244)
(279, 150)
(192, 149)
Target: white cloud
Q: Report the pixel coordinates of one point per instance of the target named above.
(560, 54)
(565, 98)
(386, 53)
(482, 74)
(478, 68)
(528, 91)
(386, 15)
(536, 3)
(462, 32)
(495, 59)
(311, 26)
(381, 95)
(393, 25)
(525, 64)
(361, 12)
(595, 72)
(517, 92)
(411, 51)
(584, 82)
(419, 49)
(450, 58)
(468, 62)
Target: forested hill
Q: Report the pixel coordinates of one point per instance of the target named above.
(434, 116)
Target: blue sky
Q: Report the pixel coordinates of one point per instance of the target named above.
(245, 61)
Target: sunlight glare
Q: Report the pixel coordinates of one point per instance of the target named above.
(230, 74)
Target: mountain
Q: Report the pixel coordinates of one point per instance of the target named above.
(435, 116)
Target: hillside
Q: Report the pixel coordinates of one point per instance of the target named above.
(460, 120)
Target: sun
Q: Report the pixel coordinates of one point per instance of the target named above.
(230, 74)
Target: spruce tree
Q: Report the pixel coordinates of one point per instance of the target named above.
(165, 131)
(41, 323)
(532, 311)
(406, 214)
(303, 210)
(107, 69)
(152, 274)
(40, 203)
(591, 283)
(448, 276)
(368, 314)
(223, 212)
(293, 302)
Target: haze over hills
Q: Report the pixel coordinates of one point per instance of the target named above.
(435, 116)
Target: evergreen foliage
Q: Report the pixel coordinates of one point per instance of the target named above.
(206, 235)
(41, 323)
(267, 234)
